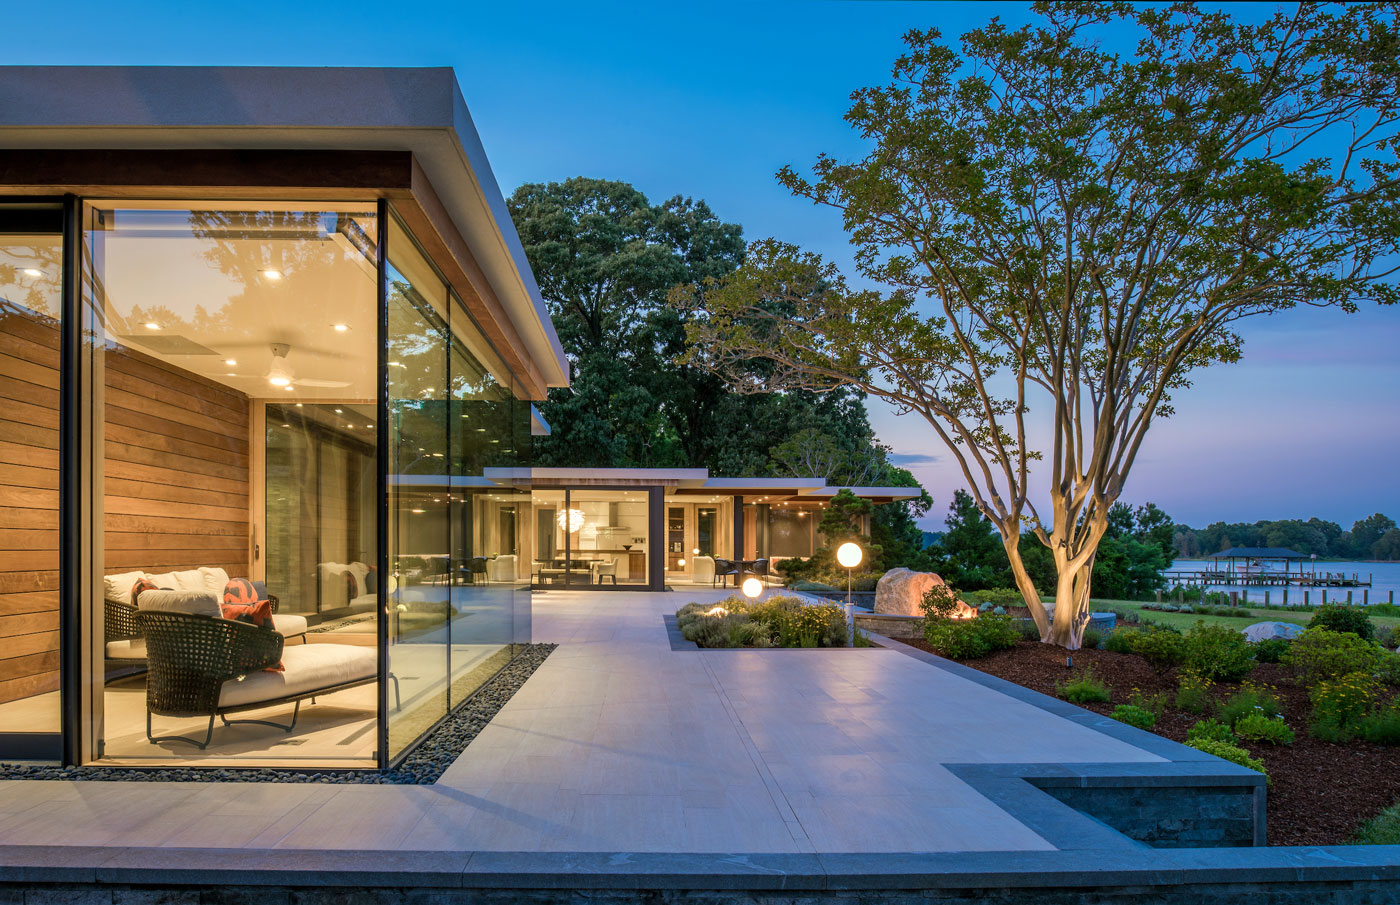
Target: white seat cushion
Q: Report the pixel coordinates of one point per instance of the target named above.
(127, 649)
(196, 603)
(307, 667)
(118, 587)
(288, 624)
(214, 580)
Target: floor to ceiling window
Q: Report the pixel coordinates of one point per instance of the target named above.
(230, 380)
(31, 279)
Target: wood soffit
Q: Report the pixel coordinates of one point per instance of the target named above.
(300, 175)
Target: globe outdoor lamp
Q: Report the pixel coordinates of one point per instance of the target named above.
(849, 555)
(752, 588)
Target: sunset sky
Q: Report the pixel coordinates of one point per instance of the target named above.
(709, 101)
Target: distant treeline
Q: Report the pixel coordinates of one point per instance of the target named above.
(1374, 537)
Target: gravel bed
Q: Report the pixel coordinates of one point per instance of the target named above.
(423, 765)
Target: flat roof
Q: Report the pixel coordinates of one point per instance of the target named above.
(420, 110)
(697, 482)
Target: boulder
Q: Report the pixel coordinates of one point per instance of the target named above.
(900, 591)
(1265, 631)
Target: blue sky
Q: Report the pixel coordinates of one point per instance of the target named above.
(709, 100)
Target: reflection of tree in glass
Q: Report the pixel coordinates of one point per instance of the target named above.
(294, 250)
(39, 294)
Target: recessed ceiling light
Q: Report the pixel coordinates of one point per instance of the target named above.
(273, 274)
(33, 272)
(369, 426)
(298, 405)
(349, 427)
(418, 511)
(152, 326)
(340, 411)
(288, 389)
(230, 362)
(286, 425)
(481, 430)
(340, 328)
(231, 374)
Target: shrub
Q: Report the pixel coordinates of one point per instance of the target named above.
(1388, 667)
(1085, 688)
(1344, 619)
(1259, 728)
(1155, 704)
(1217, 652)
(966, 639)
(1381, 727)
(1091, 638)
(775, 622)
(1270, 650)
(1192, 692)
(1001, 597)
(1162, 647)
(940, 602)
(1319, 654)
(1027, 629)
(1386, 637)
(1340, 704)
(1134, 715)
(1385, 609)
(1120, 640)
(1383, 829)
(1233, 753)
(1249, 699)
(1209, 730)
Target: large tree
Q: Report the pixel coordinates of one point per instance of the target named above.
(1064, 222)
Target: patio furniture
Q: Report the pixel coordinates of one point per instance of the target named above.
(759, 567)
(205, 666)
(603, 570)
(704, 569)
(724, 568)
(476, 566)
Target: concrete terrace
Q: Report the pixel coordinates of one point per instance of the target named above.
(620, 743)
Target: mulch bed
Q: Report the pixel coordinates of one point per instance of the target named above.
(1320, 792)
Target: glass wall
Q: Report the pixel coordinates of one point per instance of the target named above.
(591, 537)
(459, 525)
(699, 539)
(31, 275)
(230, 379)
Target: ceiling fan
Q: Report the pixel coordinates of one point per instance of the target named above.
(279, 374)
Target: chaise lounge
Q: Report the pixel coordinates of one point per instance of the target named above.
(201, 665)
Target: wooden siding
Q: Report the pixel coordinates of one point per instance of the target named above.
(177, 460)
(28, 506)
(176, 463)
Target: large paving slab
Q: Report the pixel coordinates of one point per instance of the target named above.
(620, 744)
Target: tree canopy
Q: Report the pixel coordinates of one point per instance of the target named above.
(1315, 536)
(1056, 226)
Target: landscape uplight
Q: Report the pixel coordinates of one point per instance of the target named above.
(752, 587)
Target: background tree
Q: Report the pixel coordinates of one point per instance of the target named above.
(969, 556)
(1061, 225)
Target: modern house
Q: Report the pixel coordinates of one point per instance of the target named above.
(234, 303)
(275, 325)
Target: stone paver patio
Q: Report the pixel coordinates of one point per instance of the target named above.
(619, 743)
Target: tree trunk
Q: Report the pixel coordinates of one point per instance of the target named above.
(1012, 543)
(1071, 605)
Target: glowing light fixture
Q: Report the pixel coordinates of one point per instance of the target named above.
(33, 272)
(570, 520)
(230, 362)
(752, 587)
(152, 325)
(273, 274)
(417, 511)
(849, 555)
(340, 328)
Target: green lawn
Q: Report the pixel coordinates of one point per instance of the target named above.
(1186, 620)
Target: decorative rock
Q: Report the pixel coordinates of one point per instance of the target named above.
(1265, 631)
(900, 591)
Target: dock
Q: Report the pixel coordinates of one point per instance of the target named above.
(1209, 577)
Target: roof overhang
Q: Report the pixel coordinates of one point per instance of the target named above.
(419, 110)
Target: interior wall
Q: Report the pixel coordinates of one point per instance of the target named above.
(28, 506)
(176, 469)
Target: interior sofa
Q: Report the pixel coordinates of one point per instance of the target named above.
(125, 644)
(200, 664)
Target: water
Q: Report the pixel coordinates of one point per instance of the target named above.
(1385, 577)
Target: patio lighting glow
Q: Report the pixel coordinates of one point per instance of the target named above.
(848, 555)
(752, 588)
(716, 611)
